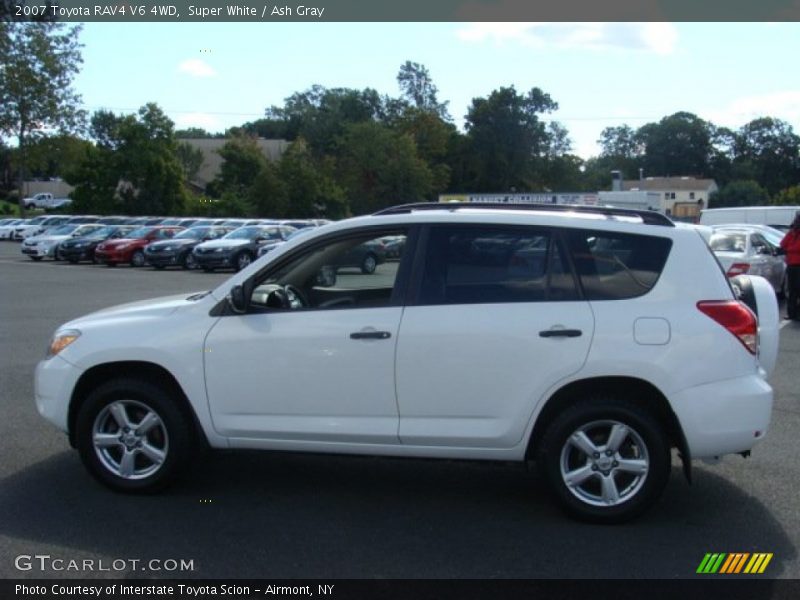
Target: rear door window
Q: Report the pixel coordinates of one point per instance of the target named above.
(615, 266)
(488, 264)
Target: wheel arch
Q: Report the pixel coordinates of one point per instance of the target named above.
(639, 391)
(142, 370)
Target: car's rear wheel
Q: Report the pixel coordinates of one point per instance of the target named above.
(606, 459)
(369, 264)
(132, 436)
(137, 259)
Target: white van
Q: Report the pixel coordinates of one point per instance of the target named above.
(780, 217)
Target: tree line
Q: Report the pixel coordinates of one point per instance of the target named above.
(354, 151)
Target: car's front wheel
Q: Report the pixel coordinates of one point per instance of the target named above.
(606, 459)
(132, 436)
(243, 260)
(189, 261)
(369, 264)
(137, 259)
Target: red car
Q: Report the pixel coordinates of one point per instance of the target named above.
(130, 249)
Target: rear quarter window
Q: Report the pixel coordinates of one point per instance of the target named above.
(616, 266)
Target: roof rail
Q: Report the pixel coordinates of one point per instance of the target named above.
(648, 217)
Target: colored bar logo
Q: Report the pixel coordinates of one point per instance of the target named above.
(734, 563)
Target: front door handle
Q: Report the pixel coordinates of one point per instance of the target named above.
(548, 333)
(370, 335)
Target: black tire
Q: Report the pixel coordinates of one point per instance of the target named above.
(603, 477)
(242, 260)
(369, 264)
(189, 261)
(137, 259)
(171, 437)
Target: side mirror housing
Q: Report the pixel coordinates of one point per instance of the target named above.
(238, 299)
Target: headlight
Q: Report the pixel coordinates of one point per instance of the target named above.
(220, 250)
(61, 340)
(167, 249)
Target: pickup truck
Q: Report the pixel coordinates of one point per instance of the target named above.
(45, 200)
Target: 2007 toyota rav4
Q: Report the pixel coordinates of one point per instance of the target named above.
(591, 341)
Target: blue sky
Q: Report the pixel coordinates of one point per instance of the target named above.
(215, 75)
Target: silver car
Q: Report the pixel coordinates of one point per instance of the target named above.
(752, 250)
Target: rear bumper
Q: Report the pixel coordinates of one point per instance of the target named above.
(724, 417)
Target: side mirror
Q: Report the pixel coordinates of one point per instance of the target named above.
(238, 299)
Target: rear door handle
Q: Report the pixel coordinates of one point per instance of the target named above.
(370, 335)
(548, 333)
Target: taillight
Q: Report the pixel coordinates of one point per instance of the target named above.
(738, 269)
(736, 317)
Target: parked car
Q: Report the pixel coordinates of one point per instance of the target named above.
(38, 225)
(46, 245)
(177, 251)
(8, 226)
(748, 250)
(270, 246)
(76, 250)
(239, 248)
(130, 249)
(625, 342)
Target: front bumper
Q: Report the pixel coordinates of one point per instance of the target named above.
(213, 260)
(76, 253)
(724, 417)
(162, 259)
(38, 251)
(54, 380)
(113, 256)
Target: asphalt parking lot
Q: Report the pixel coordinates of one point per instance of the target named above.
(275, 515)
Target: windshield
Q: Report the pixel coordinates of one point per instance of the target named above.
(299, 232)
(103, 232)
(244, 233)
(195, 233)
(728, 242)
(139, 233)
(62, 230)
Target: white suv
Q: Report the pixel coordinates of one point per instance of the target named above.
(591, 341)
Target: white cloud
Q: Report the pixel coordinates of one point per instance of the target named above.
(781, 105)
(198, 119)
(658, 38)
(197, 68)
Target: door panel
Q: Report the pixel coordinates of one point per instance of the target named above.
(471, 375)
(300, 376)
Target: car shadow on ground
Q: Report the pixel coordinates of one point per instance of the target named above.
(278, 515)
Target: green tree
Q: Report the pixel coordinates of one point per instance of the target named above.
(190, 158)
(739, 193)
(679, 144)
(243, 161)
(40, 61)
(268, 196)
(311, 189)
(507, 138)
(768, 150)
(53, 156)
(418, 88)
(320, 115)
(133, 168)
(787, 197)
(378, 167)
